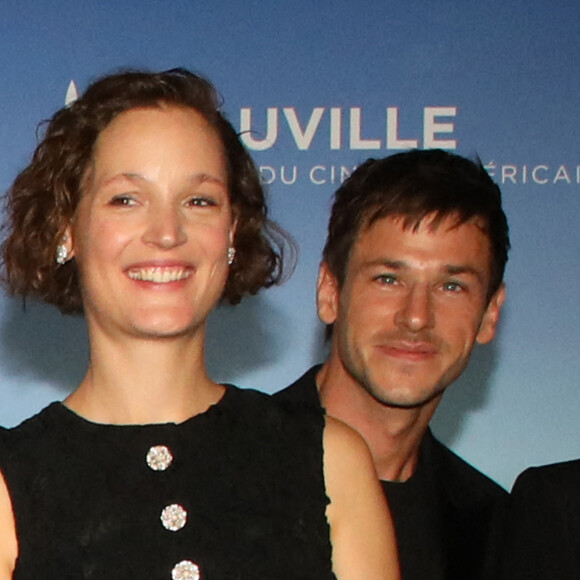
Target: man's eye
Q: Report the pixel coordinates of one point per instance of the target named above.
(452, 287)
(386, 279)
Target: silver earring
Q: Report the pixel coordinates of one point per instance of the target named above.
(231, 255)
(61, 254)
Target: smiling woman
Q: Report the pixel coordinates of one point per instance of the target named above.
(151, 233)
(142, 209)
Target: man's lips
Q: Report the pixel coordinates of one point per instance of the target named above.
(412, 351)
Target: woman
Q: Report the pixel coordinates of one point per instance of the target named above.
(142, 209)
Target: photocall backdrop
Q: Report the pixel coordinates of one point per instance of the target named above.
(322, 86)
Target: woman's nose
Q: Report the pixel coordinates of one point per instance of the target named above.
(164, 228)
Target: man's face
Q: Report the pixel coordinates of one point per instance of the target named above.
(412, 305)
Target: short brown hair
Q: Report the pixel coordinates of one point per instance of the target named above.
(45, 195)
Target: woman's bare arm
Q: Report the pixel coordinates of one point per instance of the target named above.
(8, 541)
(362, 535)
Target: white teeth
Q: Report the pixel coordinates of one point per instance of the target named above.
(159, 275)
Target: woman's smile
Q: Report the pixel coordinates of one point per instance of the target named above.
(160, 274)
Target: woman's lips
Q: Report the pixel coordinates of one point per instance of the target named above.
(159, 274)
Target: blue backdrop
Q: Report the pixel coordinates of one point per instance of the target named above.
(323, 87)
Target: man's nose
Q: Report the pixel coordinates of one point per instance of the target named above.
(416, 310)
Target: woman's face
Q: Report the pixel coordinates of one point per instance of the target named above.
(154, 223)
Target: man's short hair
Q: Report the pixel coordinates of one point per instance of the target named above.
(413, 185)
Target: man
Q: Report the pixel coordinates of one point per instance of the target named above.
(411, 279)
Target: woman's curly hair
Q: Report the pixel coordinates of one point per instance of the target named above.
(44, 197)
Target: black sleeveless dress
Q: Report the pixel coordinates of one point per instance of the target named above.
(235, 493)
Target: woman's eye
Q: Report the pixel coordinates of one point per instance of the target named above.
(123, 200)
(201, 201)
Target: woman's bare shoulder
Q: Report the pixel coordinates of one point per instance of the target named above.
(8, 541)
(362, 535)
(345, 447)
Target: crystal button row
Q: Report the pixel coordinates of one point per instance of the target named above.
(174, 516)
(159, 458)
(185, 570)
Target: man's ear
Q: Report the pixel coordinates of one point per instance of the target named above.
(490, 318)
(327, 295)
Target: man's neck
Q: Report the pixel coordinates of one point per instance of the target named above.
(393, 434)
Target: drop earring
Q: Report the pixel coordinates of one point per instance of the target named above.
(231, 255)
(61, 254)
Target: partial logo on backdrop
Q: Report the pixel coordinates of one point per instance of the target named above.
(539, 174)
(72, 94)
(343, 129)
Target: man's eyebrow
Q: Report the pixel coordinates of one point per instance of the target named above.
(463, 269)
(457, 270)
(386, 263)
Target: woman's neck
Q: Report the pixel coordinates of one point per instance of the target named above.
(145, 381)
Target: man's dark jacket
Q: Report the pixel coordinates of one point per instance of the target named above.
(543, 530)
(447, 516)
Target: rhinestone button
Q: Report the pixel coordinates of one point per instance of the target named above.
(174, 517)
(159, 458)
(185, 570)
